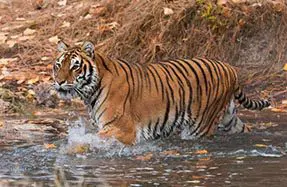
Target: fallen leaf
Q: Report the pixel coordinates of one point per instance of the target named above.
(13, 27)
(197, 177)
(200, 152)
(20, 81)
(3, 39)
(278, 110)
(260, 145)
(285, 67)
(46, 79)
(240, 157)
(113, 25)
(1, 124)
(204, 159)
(170, 152)
(33, 81)
(15, 36)
(49, 66)
(30, 95)
(221, 2)
(60, 15)
(88, 16)
(98, 10)
(238, 1)
(79, 149)
(167, 11)
(49, 146)
(20, 19)
(45, 58)
(54, 39)
(29, 31)
(66, 24)
(5, 61)
(62, 3)
(11, 43)
(194, 181)
(5, 71)
(24, 38)
(146, 157)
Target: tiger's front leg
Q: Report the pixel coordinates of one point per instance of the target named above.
(121, 128)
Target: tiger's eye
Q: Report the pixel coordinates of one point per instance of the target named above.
(57, 66)
(75, 67)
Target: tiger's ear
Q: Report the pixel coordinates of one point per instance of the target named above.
(62, 46)
(89, 48)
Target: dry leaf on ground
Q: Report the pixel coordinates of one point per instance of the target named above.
(5, 61)
(54, 39)
(62, 3)
(33, 81)
(170, 152)
(167, 11)
(66, 24)
(79, 149)
(278, 110)
(29, 31)
(49, 146)
(200, 152)
(146, 157)
(260, 145)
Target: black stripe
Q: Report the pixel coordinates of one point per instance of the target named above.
(173, 124)
(109, 122)
(127, 79)
(104, 63)
(97, 96)
(155, 134)
(131, 72)
(148, 78)
(149, 128)
(203, 74)
(160, 81)
(224, 70)
(166, 115)
(155, 82)
(199, 89)
(214, 114)
(166, 70)
(207, 64)
(141, 79)
(168, 84)
(115, 67)
(100, 115)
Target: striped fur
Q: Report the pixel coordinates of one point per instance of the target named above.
(131, 101)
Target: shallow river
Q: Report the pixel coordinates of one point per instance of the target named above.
(37, 157)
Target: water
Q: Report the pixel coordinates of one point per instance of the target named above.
(82, 159)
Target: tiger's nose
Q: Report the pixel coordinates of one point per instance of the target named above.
(62, 83)
(59, 85)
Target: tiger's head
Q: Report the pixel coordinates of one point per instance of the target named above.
(74, 73)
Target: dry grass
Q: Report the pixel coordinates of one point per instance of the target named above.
(143, 33)
(247, 34)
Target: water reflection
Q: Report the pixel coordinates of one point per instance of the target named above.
(240, 160)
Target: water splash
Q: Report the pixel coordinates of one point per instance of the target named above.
(81, 134)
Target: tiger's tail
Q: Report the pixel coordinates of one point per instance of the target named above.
(250, 103)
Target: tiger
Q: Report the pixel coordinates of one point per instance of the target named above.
(148, 101)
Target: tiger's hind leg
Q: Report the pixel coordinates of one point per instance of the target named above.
(230, 123)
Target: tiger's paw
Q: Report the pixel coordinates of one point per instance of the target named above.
(106, 132)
